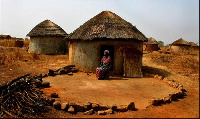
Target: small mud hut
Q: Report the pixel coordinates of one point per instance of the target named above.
(47, 38)
(179, 46)
(193, 46)
(107, 31)
(151, 45)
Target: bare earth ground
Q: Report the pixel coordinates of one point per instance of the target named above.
(20, 63)
(82, 88)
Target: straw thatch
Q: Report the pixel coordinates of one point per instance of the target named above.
(47, 28)
(107, 25)
(180, 42)
(192, 44)
(152, 41)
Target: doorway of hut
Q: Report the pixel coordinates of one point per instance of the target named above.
(111, 52)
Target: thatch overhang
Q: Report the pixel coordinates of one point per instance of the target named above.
(180, 42)
(107, 25)
(47, 28)
(192, 44)
(152, 41)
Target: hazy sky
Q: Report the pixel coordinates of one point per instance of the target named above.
(165, 20)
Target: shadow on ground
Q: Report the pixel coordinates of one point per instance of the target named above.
(152, 70)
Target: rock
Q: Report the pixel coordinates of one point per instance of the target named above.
(88, 106)
(54, 95)
(165, 80)
(45, 84)
(57, 105)
(101, 113)
(153, 102)
(45, 75)
(175, 85)
(72, 104)
(131, 106)
(170, 82)
(114, 107)
(79, 108)
(180, 94)
(166, 99)
(51, 101)
(89, 112)
(103, 107)
(122, 108)
(109, 111)
(173, 96)
(160, 77)
(156, 76)
(51, 73)
(160, 101)
(70, 73)
(95, 106)
(65, 106)
(71, 110)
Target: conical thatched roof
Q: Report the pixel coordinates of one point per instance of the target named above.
(180, 42)
(152, 41)
(47, 28)
(107, 25)
(192, 44)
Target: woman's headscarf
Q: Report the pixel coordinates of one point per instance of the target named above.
(107, 51)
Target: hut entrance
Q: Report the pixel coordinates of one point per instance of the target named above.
(111, 52)
(132, 62)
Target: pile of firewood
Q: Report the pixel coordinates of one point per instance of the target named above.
(21, 98)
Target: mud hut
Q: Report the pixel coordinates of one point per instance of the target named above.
(151, 45)
(107, 31)
(193, 46)
(47, 38)
(5, 37)
(179, 46)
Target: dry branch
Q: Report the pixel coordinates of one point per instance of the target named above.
(20, 97)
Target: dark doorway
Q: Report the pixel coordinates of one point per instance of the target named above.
(111, 52)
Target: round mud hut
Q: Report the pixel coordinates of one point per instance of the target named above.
(179, 46)
(107, 31)
(47, 38)
(193, 46)
(151, 45)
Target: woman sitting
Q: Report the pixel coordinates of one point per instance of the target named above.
(102, 72)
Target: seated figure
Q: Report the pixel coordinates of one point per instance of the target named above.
(102, 72)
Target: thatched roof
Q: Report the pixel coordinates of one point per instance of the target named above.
(152, 41)
(107, 25)
(180, 42)
(192, 44)
(47, 28)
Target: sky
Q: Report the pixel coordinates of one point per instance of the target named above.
(164, 20)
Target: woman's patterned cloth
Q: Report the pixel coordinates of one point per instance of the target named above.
(103, 71)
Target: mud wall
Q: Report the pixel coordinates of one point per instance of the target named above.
(177, 49)
(48, 45)
(85, 55)
(152, 47)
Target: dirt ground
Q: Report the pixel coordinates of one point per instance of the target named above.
(82, 88)
(16, 64)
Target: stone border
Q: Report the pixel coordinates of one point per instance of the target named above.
(96, 108)
(90, 108)
(171, 97)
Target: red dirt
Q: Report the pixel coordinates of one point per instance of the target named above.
(82, 88)
(184, 108)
